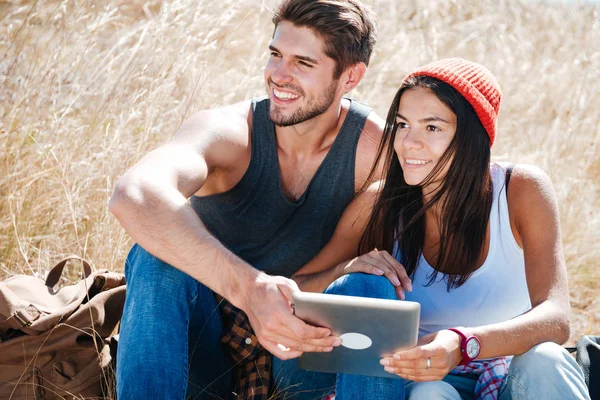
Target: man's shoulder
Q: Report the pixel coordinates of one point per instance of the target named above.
(368, 146)
(374, 126)
(221, 134)
(222, 120)
(371, 135)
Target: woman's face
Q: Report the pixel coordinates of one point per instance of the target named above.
(426, 126)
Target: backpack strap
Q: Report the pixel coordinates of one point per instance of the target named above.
(23, 316)
(56, 271)
(588, 358)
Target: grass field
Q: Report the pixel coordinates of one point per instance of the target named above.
(88, 87)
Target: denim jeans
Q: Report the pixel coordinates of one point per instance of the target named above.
(547, 371)
(169, 340)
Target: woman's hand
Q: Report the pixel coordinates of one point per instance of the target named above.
(433, 357)
(380, 263)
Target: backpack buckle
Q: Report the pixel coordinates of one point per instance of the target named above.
(23, 318)
(24, 315)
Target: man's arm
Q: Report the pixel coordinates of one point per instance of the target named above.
(151, 200)
(151, 203)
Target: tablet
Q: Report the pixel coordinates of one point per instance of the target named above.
(369, 328)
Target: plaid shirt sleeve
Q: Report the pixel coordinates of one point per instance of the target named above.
(492, 374)
(252, 369)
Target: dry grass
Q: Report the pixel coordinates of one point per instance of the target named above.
(88, 87)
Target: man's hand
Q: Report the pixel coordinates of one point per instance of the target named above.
(380, 263)
(268, 306)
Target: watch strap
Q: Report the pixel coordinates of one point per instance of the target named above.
(463, 345)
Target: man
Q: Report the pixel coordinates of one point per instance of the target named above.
(269, 180)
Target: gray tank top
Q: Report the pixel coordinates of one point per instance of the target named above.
(258, 223)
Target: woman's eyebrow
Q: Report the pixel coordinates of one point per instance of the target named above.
(428, 119)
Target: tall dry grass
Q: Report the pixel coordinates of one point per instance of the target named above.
(88, 87)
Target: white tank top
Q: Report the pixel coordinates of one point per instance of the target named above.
(496, 292)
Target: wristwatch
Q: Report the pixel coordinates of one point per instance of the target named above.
(469, 346)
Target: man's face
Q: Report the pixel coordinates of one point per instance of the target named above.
(298, 76)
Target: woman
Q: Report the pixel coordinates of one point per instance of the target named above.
(480, 244)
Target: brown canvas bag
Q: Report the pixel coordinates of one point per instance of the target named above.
(55, 342)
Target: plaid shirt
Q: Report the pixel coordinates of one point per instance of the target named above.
(252, 370)
(492, 374)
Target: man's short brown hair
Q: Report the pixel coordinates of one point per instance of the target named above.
(348, 28)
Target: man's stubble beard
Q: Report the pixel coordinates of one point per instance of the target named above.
(313, 108)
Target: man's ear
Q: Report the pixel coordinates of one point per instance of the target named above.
(352, 76)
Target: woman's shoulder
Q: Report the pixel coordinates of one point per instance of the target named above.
(530, 191)
(526, 177)
(531, 200)
(523, 176)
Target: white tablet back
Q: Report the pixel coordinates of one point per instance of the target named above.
(370, 329)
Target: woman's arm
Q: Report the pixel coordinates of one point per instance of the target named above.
(536, 227)
(535, 224)
(339, 256)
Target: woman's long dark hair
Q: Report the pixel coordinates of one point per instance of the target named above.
(464, 195)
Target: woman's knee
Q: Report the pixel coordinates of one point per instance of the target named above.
(542, 356)
(545, 371)
(363, 285)
(431, 390)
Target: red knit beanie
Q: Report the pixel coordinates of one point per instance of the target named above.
(474, 82)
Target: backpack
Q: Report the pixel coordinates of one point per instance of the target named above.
(588, 357)
(55, 342)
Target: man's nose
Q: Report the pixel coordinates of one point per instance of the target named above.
(281, 73)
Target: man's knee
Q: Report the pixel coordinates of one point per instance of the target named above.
(363, 285)
(140, 261)
(159, 297)
(431, 390)
(150, 273)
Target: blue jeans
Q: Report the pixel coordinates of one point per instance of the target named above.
(547, 371)
(169, 341)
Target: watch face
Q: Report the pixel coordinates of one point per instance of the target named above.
(472, 347)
